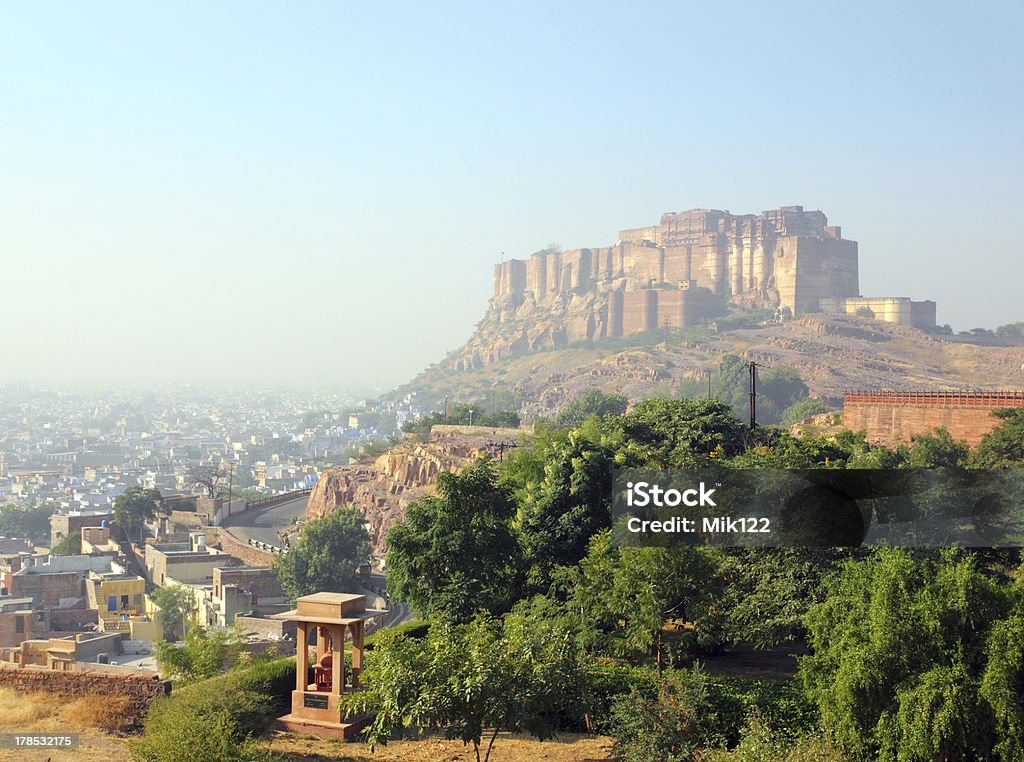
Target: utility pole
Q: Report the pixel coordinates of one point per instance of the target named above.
(753, 394)
(709, 383)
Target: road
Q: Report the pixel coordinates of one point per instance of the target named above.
(264, 524)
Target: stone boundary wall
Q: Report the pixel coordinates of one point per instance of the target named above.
(140, 690)
(248, 554)
(895, 417)
(451, 430)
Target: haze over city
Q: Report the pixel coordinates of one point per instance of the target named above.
(251, 193)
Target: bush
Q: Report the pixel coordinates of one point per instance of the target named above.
(219, 718)
(662, 729)
(729, 703)
(417, 628)
(760, 743)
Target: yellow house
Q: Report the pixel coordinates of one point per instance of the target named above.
(117, 597)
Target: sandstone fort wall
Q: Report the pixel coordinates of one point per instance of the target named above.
(895, 417)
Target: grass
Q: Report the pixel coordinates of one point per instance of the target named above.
(47, 713)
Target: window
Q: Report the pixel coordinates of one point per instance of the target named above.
(19, 623)
(112, 603)
(124, 601)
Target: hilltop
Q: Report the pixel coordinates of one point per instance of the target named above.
(832, 353)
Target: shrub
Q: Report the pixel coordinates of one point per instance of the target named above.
(219, 718)
(417, 628)
(662, 729)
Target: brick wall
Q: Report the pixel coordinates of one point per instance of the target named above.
(140, 690)
(47, 590)
(894, 417)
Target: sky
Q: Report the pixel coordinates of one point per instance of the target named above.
(317, 192)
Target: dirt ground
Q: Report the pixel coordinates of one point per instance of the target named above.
(41, 713)
(567, 747)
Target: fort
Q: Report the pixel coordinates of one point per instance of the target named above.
(679, 271)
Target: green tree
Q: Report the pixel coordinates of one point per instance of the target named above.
(472, 680)
(205, 653)
(27, 522)
(592, 402)
(1002, 684)
(802, 410)
(671, 433)
(1003, 445)
(456, 553)
(623, 596)
(938, 450)
(69, 546)
(571, 504)
(135, 507)
(898, 649)
(176, 606)
(326, 555)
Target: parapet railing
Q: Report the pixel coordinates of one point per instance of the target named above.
(941, 398)
(276, 499)
(267, 547)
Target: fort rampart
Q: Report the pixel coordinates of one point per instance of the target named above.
(895, 417)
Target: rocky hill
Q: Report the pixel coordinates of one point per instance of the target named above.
(833, 354)
(404, 474)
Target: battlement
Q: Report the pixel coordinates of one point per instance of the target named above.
(783, 257)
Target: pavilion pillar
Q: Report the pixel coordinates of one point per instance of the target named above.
(357, 652)
(338, 662)
(301, 657)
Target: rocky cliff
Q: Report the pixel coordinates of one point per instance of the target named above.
(404, 474)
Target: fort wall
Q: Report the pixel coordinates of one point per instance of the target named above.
(891, 418)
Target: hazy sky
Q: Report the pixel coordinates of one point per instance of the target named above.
(318, 191)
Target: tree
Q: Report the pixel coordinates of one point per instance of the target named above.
(176, 606)
(456, 553)
(135, 507)
(865, 312)
(69, 546)
(205, 653)
(30, 522)
(593, 402)
(1005, 443)
(898, 650)
(670, 433)
(326, 555)
(210, 478)
(1010, 330)
(571, 504)
(624, 596)
(471, 680)
(938, 450)
(802, 410)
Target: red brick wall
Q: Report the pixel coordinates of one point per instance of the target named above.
(892, 418)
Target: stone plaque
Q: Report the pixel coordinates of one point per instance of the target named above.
(314, 700)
